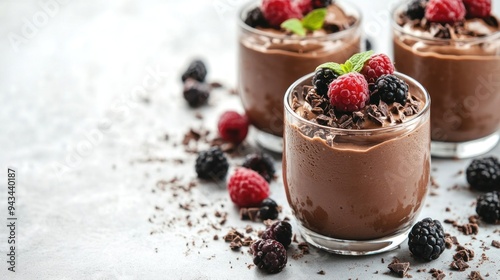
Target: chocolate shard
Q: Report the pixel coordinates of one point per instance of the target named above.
(459, 265)
(400, 268)
(323, 120)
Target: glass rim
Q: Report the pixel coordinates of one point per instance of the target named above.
(335, 35)
(358, 132)
(398, 6)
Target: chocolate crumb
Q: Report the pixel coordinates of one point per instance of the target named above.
(436, 273)
(468, 229)
(464, 254)
(495, 243)
(321, 272)
(475, 275)
(400, 268)
(459, 265)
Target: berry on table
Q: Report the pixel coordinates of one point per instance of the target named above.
(376, 66)
(262, 163)
(426, 239)
(211, 164)
(196, 70)
(477, 8)
(277, 11)
(280, 231)
(488, 207)
(445, 11)
(269, 255)
(322, 79)
(349, 92)
(416, 9)
(196, 93)
(233, 127)
(391, 89)
(247, 188)
(268, 209)
(484, 174)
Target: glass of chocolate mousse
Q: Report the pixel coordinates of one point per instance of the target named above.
(457, 59)
(356, 180)
(271, 58)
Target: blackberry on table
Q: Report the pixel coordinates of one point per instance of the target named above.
(316, 4)
(268, 209)
(196, 70)
(416, 9)
(322, 79)
(196, 93)
(426, 239)
(212, 164)
(255, 18)
(262, 163)
(484, 174)
(269, 255)
(391, 89)
(280, 231)
(488, 207)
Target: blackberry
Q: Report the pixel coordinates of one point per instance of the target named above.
(322, 79)
(484, 174)
(196, 70)
(269, 255)
(256, 18)
(211, 164)
(416, 9)
(488, 207)
(196, 93)
(316, 4)
(280, 231)
(426, 239)
(262, 163)
(268, 209)
(391, 89)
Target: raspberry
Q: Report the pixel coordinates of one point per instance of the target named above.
(488, 207)
(269, 255)
(316, 4)
(477, 8)
(322, 79)
(484, 174)
(196, 93)
(426, 239)
(277, 11)
(262, 163)
(211, 164)
(256, 18)
(416, 9)
(280, 231)
(391, 89)
(268, 209)
(445, 11)
(247, 188)
(305, 6)
(196, 70)
(376, 66)
(233, 127)
(349, 92)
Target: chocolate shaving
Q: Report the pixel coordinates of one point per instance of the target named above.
(475, 275)
(400, 268)
(345, 121)
(375, 115)
(469, 229)
(495, 243)
(491, 21)
(436, 273)
(323, 120)
(459, 265)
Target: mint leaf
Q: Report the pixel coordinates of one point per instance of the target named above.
(294, 25)
(314, 19)
(347, 66)
(335, 67)
(358, 60)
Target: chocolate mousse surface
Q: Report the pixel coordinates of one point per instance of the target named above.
(270, 60)
(458, 64)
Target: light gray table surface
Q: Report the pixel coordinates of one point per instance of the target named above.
(89, 91)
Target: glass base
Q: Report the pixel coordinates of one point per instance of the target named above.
(353, 247)
(269, 141)
(465, 149)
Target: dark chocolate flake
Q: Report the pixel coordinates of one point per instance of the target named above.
(400, 268)
(459, 265)
(323, 120)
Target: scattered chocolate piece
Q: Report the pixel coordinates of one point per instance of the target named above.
(475, 275)
(459, 265)
(468, 229)
(321, 272)
(400, 268)
(495, 243)
(436, 273)
(464, 254)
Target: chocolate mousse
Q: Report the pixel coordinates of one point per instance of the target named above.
(271, 59)
(458, 63)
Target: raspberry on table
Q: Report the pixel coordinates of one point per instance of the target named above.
(391, 89)
(196, 70)
(416, 9)
(426, 239)
(196, 93)
(376, 66)
(211, 164)
(316, 4)
(255, 18)
(277, 11)
(268, 209)
(349, 92)
(247, 188)
(262, 163)
(269, 255)
(322, 79)
(488, 207)
(484, 174)
(233, 127)
(445, 11)
(477, 8)
(280, 231)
